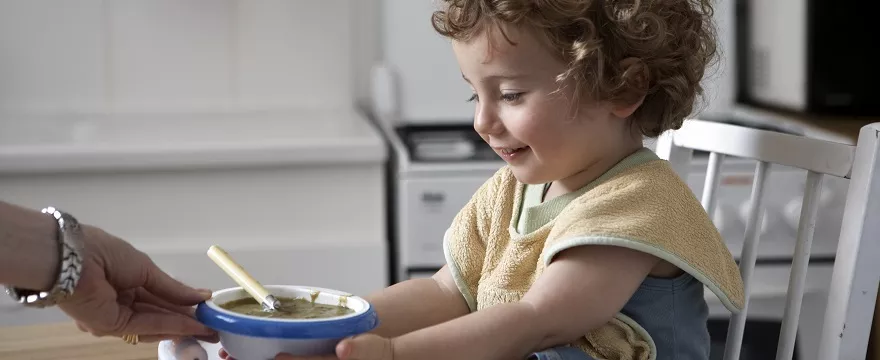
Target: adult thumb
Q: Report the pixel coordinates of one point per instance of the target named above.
(169, 289)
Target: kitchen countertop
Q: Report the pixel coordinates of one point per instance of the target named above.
(65, 341)
(89, 142)
(840, 129)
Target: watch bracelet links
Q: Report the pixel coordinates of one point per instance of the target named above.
(69, 238)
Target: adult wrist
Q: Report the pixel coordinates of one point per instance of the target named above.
(28, 248)
(47, 259)
(66, 263)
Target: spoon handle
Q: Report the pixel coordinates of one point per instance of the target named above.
(245, 280)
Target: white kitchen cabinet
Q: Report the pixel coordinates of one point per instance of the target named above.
(297, 197)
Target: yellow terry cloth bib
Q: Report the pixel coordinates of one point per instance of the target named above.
(645, 207)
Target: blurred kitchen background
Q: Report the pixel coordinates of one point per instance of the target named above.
(328, 142)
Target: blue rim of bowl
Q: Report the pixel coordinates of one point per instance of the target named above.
(330, 328)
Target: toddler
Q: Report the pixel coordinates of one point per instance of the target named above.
(586, 245)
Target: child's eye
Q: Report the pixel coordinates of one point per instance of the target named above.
(473, 98)
(511, 97)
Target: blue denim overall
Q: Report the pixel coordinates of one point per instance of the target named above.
(674, 313)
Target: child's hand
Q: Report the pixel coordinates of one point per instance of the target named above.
(362, 347)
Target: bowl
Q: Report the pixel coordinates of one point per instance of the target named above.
(254, 337)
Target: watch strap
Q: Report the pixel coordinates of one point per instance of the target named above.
(70, 244)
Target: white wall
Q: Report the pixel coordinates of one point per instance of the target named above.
(368, 47)
(73, 59)
(191, 55)
(183, 55)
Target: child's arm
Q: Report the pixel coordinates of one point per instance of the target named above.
(581, 290)
(416, 304)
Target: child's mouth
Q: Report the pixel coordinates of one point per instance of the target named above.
(512, 153)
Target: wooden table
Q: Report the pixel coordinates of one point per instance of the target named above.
(65, 341)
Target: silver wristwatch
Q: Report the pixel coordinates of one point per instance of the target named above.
(70, 245)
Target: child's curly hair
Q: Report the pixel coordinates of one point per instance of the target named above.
(673, 42)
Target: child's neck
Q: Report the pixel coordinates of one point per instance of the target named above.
(592, 172)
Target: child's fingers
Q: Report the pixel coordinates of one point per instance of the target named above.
(343, 349)
(365, 347)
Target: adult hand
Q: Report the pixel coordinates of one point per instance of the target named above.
(122, 292)
(361, 347)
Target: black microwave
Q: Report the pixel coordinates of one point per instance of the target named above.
(808, 56)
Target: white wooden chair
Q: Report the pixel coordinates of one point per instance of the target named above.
(855, 277)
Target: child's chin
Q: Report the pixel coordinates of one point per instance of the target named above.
(526, 175)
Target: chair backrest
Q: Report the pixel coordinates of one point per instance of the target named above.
(855, 277)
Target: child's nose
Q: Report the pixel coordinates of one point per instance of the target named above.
(486, 121)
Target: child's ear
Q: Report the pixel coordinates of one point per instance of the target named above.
(635, 74)
(624, 110)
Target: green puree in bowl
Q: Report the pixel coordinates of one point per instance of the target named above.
(291, 308)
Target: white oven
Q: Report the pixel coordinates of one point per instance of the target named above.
(433, 174)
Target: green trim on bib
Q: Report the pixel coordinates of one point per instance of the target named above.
(646, 248)
(531, 213)
(641, 331)
(456, 275)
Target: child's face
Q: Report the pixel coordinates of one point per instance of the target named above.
(520, 116)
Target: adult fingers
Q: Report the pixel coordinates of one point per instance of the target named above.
(213, 338)
(145, 308)
(144, 296)
(82, 327)
(164, 322)
(158, 338)
(155, 338)
(153, 323)
(128, 268)
(167, 288)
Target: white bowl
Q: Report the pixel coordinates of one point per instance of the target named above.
(253, 337)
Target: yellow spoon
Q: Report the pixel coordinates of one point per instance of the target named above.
(245, 280)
